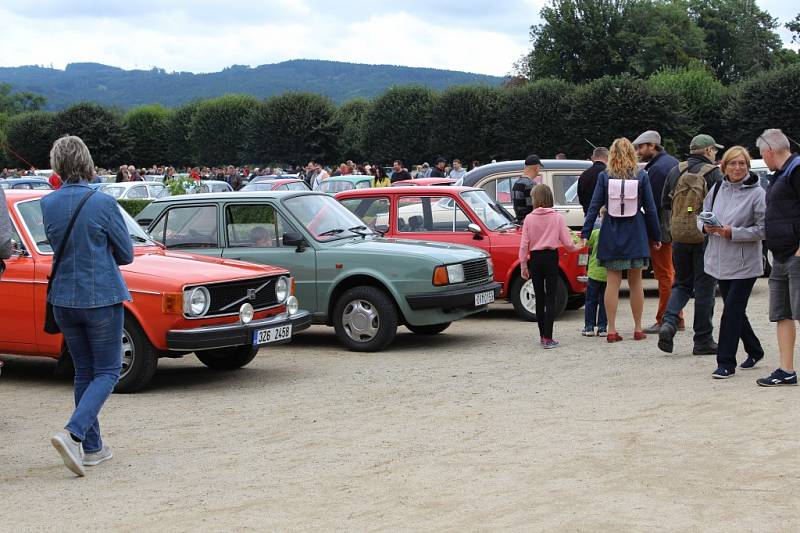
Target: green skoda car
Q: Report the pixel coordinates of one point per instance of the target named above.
(348, 276)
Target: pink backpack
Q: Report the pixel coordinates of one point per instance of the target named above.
(623, 197)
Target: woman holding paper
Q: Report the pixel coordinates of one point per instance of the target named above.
(733, 255)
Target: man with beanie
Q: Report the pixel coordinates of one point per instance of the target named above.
(521, 190)
(659, 165)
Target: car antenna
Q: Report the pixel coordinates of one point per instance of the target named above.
(590, 143)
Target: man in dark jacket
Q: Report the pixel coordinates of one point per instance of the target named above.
(659, 165)
(398, 172)
(438, 170)
(588, 178)
(521, 199)
(782, 221)
(690, 274)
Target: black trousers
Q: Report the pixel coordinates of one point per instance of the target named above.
(734, 324)
(543, 267)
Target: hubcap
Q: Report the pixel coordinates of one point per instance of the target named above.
(527, 297)
(128, 353)
(360, 320)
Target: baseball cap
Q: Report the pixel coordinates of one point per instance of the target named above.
(532, 159)
(441, 160)
(648, 137)
(702, 141)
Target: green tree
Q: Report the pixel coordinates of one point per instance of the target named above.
(701, 97)
(218, 131)
(350, 121)
(794, 27)
(533, 118)
(5, 162)
(740, 37)
(767, 100)
(463, 124)
(20, 102)
(100, 128)
(623, 106)
(146, 128)
(29, 137)
(178, 147)
(398, 125)
(293, 128)
(582, 40)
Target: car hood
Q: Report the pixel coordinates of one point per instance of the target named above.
(191, 269)
(441, 252)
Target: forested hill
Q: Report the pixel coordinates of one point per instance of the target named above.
(106, 85)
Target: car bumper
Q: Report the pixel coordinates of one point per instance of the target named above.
(458, 299)
(238, 334)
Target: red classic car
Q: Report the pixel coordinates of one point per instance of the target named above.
(466, 215)
(222, 310)
(423, 182)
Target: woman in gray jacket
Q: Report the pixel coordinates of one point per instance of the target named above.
(733, 256)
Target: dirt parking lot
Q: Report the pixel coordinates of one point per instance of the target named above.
(474, 429)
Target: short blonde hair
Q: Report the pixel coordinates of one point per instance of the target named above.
(70, 159)
(732, 153)
(622, 162)
(542, 196)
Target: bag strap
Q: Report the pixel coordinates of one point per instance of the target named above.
(714, 193)
(63, 245)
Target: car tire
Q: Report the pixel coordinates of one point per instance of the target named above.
(428, 330)
(227, 358)
(139, 358)
(522, 297)
(365, 319)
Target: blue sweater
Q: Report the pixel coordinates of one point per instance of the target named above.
(624, 238)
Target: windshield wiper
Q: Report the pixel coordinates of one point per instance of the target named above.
(330, 232)
(43, 242)
(191, 245)
(138, 238)
(357, 230)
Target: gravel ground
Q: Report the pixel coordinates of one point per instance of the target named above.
(473, 429)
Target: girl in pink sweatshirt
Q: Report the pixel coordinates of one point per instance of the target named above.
(543, 232)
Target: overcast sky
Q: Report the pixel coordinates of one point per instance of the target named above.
(205, 36)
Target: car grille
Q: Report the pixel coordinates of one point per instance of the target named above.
(227, 298)
(476, 270)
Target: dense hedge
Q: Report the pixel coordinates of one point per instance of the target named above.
(134, 207)
(416, 124)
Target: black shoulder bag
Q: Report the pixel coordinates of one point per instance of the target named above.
(50, 325)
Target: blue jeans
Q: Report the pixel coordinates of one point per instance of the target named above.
(94, 340)
(691, 277)
(595, 313)
(734, 324)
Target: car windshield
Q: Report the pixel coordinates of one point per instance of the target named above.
(324, 217)
(116, 192)
(336, 186)
(31, 213)
(491, 214)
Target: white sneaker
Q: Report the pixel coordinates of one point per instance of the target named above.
(94, 459)
(70, 451)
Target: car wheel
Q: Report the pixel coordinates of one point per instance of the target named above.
(365, 319)
(428, 330)
(139, 358)
(227, 358)
(524, 300)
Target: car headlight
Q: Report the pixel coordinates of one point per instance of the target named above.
(292, 305)
(246, 313)
(490, 266)
(196, 301)
(282, 289)
(455, 273)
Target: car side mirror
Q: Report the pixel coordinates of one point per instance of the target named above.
(294, 239)
(18, 249)
(475, 230)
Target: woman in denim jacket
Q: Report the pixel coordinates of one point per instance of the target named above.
(87, 295)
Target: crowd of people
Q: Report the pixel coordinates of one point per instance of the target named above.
(700, 223)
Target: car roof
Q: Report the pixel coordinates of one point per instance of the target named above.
(129, 184)
(25, 194)
(241, 195)
(414, 190)
(37, 179)
(354, 179)
(517, 165)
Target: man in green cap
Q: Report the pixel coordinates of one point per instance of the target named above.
(681, 202)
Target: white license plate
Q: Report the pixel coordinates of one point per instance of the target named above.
(265, 336)
(483, 298)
